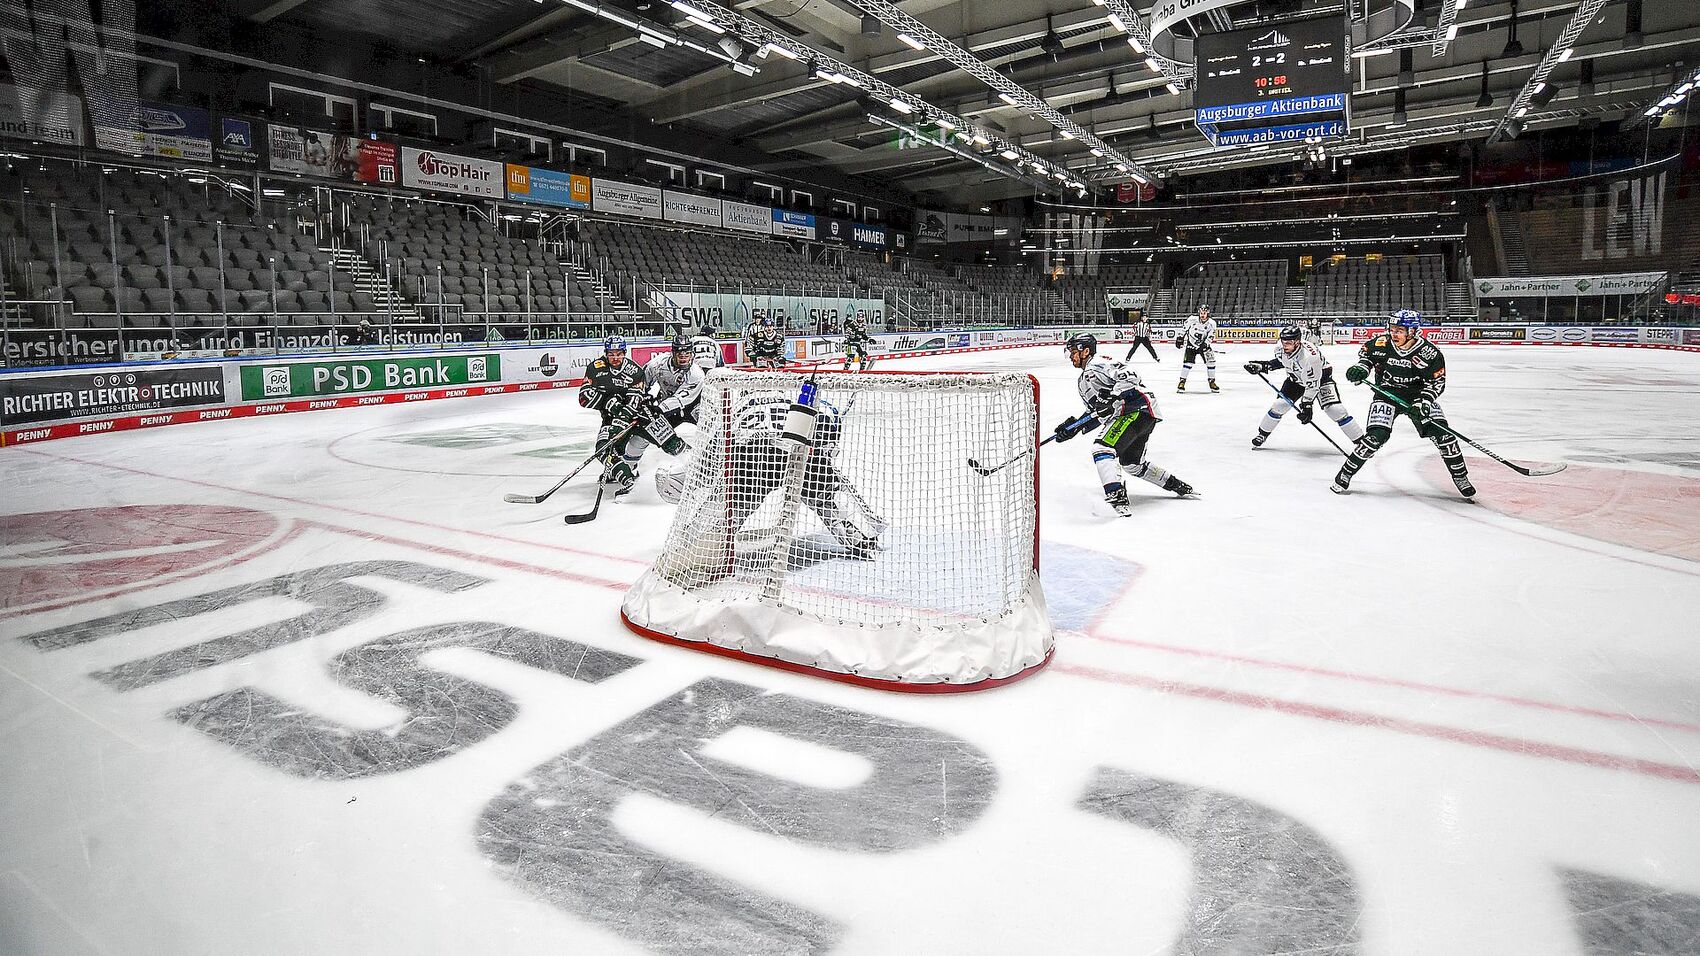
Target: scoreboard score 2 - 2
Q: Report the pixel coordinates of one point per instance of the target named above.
(1272, 83)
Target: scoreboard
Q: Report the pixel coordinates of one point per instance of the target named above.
(1272, 83)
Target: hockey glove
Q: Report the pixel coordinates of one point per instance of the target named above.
(1257, 368)
(1425, 410)
(1072, 427)
(1179, 344)
(1357, 374)
(588, 396)
(1305, 412)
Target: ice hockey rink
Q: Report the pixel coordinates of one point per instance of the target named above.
(307, 685)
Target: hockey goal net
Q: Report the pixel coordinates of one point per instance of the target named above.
(872, 553)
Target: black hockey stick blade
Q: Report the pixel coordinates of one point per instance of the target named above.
(588, 515)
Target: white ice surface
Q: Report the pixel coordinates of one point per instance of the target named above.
(1463, 709)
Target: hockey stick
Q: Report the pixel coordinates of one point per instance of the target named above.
(588, 515)
(984, 470)
(1295, 408)
(594, 455)
(1539, 471)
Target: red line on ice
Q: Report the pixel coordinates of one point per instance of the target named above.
(346, 510)
(1515, 745)
(1396, 682)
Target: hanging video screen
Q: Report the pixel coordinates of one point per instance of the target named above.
(1290, 62)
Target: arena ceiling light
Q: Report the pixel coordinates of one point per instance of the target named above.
(1007, 89)
(824, 66)
(1672, 95)
(1519, 106)
(1008, 172)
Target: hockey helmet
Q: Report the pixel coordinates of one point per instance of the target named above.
(1292, 333)
(1082, 341)
(767, 321)
(683, 351)
(709, 330)
(1407, 319)
(614, 343)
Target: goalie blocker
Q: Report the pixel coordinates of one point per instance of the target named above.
(870, 552)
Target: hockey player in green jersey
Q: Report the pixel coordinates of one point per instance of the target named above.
(1410, 369)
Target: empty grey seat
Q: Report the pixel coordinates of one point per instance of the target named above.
(196, 300)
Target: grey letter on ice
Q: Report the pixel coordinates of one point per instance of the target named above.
(1262, 883)
(445, 714)
(552, 832)
(1621, 918)
(336, 603)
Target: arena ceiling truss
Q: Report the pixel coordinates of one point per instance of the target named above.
(1063, 94)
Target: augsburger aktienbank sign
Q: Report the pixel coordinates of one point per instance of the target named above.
(446, 172)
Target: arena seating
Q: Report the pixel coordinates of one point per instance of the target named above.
(1235, 291)
(680, 257)
(449, 260)
(1359, 286)
(1087, 294)
(176, 249)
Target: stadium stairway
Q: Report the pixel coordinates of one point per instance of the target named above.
(1460, 303)
(368, 280)
(1293, 305)
(1516, 256)
(592, 280)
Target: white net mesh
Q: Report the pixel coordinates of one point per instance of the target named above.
(881, 526)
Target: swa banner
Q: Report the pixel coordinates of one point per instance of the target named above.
(795, 312)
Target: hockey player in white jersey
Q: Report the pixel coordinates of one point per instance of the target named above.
(1310, 382)
(1116, 397)
(1198, 338)
(674, 382)
(1314, 333)
(705, 350)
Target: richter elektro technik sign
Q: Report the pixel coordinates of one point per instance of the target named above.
(1272, 84)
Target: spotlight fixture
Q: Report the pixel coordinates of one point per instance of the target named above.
(1544, 95)
(870, 25)
(1513, 47)
(731, 47)
(1051, 43)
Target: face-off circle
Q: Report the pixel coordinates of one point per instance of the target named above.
(50, 556)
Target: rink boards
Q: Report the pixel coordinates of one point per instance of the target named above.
(43, 404)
